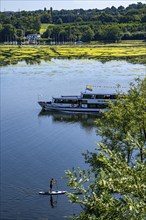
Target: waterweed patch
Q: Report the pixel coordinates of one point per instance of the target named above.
(132, 52)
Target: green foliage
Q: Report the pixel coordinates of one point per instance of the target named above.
(8, 32)
(113, 188)
(132, 51)
(113, 23)
(88, 35)
(114, 191)
(111, 33)
(126, 121)
(59, 21)
(46, 18)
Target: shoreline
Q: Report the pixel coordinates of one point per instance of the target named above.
(130, 51)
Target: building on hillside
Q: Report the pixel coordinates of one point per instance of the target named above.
(33, 38)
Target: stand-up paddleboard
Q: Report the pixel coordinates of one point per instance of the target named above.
(52, 193)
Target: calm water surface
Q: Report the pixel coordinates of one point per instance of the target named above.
(36, 146)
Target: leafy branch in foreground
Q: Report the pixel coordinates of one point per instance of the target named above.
(115, 190)
(115, 185)
(126, 123)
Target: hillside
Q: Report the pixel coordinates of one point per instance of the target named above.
(110, 24)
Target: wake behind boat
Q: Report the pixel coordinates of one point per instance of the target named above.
(87, 102)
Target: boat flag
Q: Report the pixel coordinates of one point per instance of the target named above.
(89, 88)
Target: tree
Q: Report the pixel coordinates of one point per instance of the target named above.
(133, 17)
(113, 188)
(51, 11)
(106, 18)
(59, 21)
(46, 17)
(112, 33)
(1, 28)
(55, 33)
(88, 35)
(8, 32)
(79, 19)
(47, 33)
(114, 191)
(36, 24)
(126, 119)
(62, 35)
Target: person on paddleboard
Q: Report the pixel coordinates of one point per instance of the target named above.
(52, 182)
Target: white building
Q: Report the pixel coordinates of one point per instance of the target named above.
(33, 38)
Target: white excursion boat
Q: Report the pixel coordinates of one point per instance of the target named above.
(84, 103)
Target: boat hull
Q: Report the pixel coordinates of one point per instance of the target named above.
(49, 107)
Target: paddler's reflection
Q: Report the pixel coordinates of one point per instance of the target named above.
(52, 202)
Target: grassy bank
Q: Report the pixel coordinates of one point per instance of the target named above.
(132, 51)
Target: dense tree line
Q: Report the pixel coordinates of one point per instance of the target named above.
(109, 24)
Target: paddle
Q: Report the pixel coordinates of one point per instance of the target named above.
(56, 184)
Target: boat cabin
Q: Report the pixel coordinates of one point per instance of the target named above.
(98, 96)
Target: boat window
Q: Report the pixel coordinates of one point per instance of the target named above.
(84, 101)
(57, 101)
(87, 96)
(97, 105)
(68, 101)
(113, 96)
(102, 106)
(99, 96)
(107, 96)
(92, 106)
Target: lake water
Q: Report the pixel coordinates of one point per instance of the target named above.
(37, 146)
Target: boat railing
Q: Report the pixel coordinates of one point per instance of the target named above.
(70, 96)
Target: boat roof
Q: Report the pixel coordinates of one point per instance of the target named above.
(91, 93)
(74, 97)
(67, 97)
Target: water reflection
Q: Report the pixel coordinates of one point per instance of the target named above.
(86, 121)
(53, 203)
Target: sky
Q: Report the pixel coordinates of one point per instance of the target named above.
(32, 5)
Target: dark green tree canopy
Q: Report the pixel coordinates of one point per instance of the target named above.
(109, 24)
